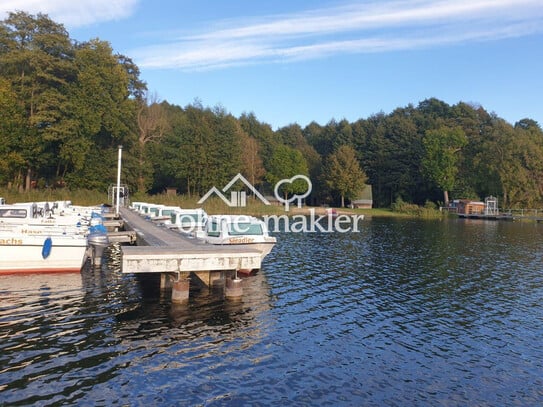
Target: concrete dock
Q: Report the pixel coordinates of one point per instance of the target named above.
(179, 258)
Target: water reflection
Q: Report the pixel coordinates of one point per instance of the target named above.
(404, 312)
(424, 306)
(90, 330)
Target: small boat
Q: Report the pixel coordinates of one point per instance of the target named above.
(145, 209)
(43, 213)
(136, 206)
(162, 214)
(191, 221)
(37, 253)
(41, 237)
(239, 230)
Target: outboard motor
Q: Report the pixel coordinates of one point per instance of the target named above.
(97, 241)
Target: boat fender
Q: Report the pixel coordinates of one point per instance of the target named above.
(46, 249)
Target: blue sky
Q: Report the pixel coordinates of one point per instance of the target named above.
(299, 61)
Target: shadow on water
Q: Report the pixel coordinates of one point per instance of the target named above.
(91, 330)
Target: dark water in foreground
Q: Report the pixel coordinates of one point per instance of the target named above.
(402, 313)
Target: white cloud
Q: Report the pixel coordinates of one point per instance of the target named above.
(73, 13)
(357, 28)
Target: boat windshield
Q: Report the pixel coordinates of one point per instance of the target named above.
(186, 218)
(213, 229)
(245, 228)
(13, 213)
(154, 210)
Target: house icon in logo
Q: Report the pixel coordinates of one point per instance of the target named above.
(237, 198)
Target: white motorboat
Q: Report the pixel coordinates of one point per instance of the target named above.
(162, 214)
(43, 213)
(39, 237)
(41, 253)
(191, 221)
(146, 209)
(239, 230)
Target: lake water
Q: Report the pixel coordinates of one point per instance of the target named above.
(404, 312)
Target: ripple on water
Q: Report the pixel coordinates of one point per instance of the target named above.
(404, 312)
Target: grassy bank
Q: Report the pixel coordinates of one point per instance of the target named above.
(213, 205)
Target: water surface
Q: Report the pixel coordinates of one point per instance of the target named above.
(403, 313)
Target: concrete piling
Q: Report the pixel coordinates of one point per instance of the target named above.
(233, 288)
(161, 250)
(165, 282)
(180, 290)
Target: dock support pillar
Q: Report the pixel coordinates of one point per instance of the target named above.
(233, 288)
(165, 282)
(180, 290)
(216, 279)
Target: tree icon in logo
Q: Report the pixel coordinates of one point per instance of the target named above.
(299, 186)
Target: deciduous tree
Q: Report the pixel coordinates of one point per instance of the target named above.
(285, 163)
(253, 168)
(152, 124)
(343, 173)
(439, 164)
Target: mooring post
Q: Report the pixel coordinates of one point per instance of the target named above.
(180, 289)
(216, 279)
(165, 282)
(233, 288)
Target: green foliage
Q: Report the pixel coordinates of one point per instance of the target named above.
(343, 174)
(201, 150)
(87, 197)
(73, 98)
(441, 150)
(286, 163)
(427, 211)
(11, 124)
(66, 106)
(391, 154)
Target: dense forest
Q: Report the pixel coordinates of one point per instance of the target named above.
(66, 106)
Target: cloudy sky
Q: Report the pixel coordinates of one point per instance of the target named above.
(299, 61)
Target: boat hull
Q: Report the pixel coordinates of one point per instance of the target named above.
(264, 247)
(37, 254)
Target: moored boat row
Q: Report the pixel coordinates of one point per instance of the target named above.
(191, 221)
(42, 237)
(211, 229)
(38, 237)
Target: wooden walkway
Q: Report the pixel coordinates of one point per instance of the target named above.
(160, 250)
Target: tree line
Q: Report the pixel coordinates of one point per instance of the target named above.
(66, 106)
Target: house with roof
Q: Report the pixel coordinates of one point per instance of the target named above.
(364, 199)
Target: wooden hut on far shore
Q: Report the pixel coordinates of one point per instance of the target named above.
(468, 207)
